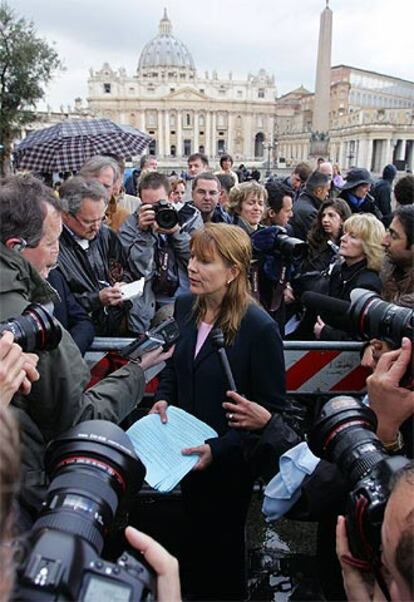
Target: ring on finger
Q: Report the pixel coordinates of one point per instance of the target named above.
(231, 416)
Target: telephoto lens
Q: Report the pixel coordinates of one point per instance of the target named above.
(344, 434)
(36, 329)
(378, 319)
(94, 473)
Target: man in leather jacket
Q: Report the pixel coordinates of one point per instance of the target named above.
(91, 257)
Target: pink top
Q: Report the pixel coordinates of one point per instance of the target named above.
(203, 332)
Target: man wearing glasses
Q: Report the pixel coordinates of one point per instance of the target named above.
(206, 190)
(91, 257)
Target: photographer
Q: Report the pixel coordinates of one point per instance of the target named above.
(397, 536)
(58, 399)
(17, 369)
(157, 251)
(164, 565)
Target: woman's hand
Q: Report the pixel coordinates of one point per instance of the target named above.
(245, 414)
(319, 326)
(160, 407)
(165, 565)
(204, 453)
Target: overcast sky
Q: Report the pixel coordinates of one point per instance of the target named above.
(227, 35)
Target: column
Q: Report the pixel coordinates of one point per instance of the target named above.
(207, 136)
(160, 137)
(248, 136)
(167, 152)
(386, 152)
(229, 143)
(141, 121)
(402, 147)
(410, 156)
(179, 135)
(214, 135)
(195, 132)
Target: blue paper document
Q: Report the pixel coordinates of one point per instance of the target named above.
(159, 446)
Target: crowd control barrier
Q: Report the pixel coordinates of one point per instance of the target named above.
(312, 367)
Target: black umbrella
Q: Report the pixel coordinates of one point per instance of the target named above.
(67, 145)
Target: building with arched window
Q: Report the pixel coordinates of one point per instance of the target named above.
(183, 111)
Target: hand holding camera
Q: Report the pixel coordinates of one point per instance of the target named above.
(17, 369)
(391, 402)
(162, 217)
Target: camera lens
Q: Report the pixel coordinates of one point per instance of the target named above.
(166, 215)
(344, 434)
(290, 247)
(376, 318)
(35, 330)
(93, 467)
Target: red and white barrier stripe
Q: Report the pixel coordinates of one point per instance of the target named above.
(324, 371)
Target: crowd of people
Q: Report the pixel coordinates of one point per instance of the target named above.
(216, 250)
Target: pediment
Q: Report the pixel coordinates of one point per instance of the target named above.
(187, 94)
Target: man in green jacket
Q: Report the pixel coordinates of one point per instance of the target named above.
(58, 400)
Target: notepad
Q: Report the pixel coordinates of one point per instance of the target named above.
(132, 289)
(159, 446)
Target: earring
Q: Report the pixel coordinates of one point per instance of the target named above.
(229, 282)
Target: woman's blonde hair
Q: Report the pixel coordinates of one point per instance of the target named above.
(240, 192)
(233, 245)
(371, 232)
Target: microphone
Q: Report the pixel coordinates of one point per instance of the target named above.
(333, 311)
(217, 338)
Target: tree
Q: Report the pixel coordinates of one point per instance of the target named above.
(27, 64)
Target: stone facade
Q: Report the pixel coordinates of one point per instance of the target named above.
(371, 121)
(184, 111)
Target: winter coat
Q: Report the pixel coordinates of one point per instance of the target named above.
(58, 400)
(141, 248)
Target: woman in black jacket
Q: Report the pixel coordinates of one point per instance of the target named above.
(362, 256)
(216, 493)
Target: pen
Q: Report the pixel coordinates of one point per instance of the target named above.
(104, 282)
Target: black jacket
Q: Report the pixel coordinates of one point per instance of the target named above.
(88, 272)
(199, 385)
(70, 313)
(367, 206)
(305, 211)
(342, 281)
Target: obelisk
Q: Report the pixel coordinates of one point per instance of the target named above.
(320, 121)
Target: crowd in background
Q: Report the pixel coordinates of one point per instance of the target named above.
(214, 248)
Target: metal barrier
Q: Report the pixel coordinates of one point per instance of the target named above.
(312, 367)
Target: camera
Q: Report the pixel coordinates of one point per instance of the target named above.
(375, 318)
(344, 434)
(166, 214)
(274, 239)
(165, 334)
(95, 475)
(36, 329)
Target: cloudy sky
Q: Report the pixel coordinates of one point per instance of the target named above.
(227, 35)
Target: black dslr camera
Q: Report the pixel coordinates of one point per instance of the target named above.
(165, 335)
(36, 329)
(95, 474)
(274, 240)
(166, 215)
(344, 433)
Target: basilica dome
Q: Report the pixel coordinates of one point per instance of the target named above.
(165, 51)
